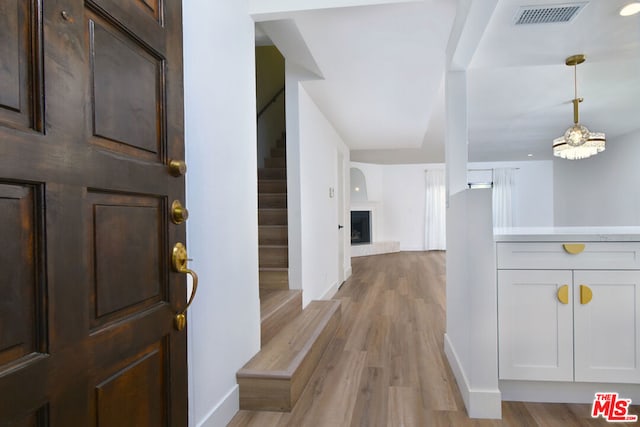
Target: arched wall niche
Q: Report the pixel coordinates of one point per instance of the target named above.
(358, 186)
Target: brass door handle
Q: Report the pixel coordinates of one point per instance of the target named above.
(179, 262)
(563, 294)
(586, 295)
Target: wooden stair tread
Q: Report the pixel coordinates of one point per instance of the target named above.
(273, 278)
(273, 256)
(272, 186)
(281, 172)
(284, 354)
(272, 216)
(272, 300)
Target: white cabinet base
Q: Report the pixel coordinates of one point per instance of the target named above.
(563, 392)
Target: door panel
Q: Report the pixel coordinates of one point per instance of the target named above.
(129, 274)
(20, 74)
(22, 321)
(87, 297)
(150, 6)
(135, 393)
(127, 88)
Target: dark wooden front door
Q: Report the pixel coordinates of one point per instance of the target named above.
(90, 117)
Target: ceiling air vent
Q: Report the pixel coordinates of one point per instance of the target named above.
(548, 13)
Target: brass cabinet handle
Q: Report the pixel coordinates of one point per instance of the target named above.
(179, 263)
(573, 248)
(563, 294)
(586, 295)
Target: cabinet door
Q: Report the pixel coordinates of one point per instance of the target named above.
(535, 329)
(607, 328)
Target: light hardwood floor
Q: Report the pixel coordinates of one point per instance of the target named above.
(386, 365)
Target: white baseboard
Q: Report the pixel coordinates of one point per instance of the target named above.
(331, 291)
(348, 272)
(374, 248)
(479, 403)
(224, 411)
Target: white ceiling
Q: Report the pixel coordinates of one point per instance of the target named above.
(383, 69)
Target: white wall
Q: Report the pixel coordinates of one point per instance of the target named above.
(222, 236)
(471, 339)
(399, 195)
(400, 191)
(533, 196)
(319, 144)
(603, 190)
(404, 204)
(471, 336)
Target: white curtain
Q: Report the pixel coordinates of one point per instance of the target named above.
(435, 212)
(503, 192)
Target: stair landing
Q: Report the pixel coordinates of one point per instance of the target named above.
(277, 308)
(275, 377)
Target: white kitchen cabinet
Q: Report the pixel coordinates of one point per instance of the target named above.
(535, 330)
(590, 334)
(607, 328)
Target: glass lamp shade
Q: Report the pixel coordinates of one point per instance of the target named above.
(595, 144)
(576, 135)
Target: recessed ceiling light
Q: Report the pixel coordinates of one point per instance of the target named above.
(630, 9)
(529, 155)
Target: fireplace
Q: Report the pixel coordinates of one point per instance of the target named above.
(360, 227)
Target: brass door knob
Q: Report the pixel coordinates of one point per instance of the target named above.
(177, 167)
(179, 213)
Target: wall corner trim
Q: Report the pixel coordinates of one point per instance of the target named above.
(479, 403)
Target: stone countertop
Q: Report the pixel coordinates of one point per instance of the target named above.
(567, 234)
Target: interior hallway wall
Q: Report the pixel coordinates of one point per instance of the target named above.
(320, 236)
(222, 230)
(269, 81)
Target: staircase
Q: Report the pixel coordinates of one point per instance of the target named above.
(292, 339)
(272, 221)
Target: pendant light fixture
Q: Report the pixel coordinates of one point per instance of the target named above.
(578, 142)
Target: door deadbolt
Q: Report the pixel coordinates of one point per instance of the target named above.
(179, 213)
